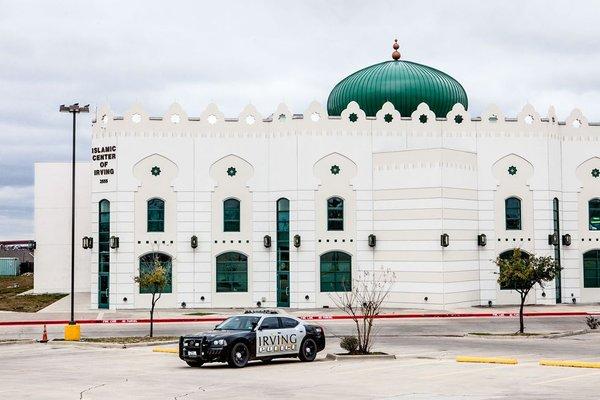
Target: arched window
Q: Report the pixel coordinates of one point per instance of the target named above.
(594, 214)
(156, 215)
(507, 255)
(512, 209)
(335, 214)
(149, 261)
(103, 252)
(231, 215)
(336, 272)
(232, 272)
(591, 269)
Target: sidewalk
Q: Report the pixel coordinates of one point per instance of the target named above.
(60, 311)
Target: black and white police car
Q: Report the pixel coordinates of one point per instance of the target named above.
(253, 336)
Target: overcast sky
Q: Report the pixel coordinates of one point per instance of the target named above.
(265, 52)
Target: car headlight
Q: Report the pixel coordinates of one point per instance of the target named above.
(220, 342)
(319, 330)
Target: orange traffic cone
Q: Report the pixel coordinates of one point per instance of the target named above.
(44, 335)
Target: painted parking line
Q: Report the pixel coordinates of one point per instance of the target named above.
(566, 378)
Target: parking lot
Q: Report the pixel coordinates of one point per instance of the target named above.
(425, 369)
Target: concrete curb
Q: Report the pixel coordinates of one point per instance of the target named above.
(367, 357)
(20, 341)
(487, 360)
(568, 363)
(551, 335)
(216, 318)
(111, 345)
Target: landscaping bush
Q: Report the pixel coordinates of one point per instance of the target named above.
(349, 343)
(592, 322)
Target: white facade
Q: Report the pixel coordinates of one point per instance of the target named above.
(405, 181)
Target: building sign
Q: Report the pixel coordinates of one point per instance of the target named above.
(103, 159)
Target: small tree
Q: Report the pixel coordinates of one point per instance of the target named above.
(154, 280)
(523, 273)
(363, 303)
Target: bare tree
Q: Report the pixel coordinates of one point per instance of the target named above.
(154, 280)
(363, 302)
(523, 273)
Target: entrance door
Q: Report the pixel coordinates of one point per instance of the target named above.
(283, 289)
(283, 253)
(103, 290)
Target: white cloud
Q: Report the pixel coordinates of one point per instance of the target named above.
(266, 52)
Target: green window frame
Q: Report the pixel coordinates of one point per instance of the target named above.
(232, 272)
(156, 215)
(594, 214)
(335, 214)
(147, 264)
(336, 272)
(283, 234)
(507, 255)
(512, 213)
(104, 236)
(591, 269)
(231, 215)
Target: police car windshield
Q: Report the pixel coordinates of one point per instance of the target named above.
(239, 323)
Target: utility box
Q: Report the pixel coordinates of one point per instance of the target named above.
(9, 266)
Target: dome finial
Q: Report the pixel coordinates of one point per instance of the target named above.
(396, 53)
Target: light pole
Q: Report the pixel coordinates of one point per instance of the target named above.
(72, 330)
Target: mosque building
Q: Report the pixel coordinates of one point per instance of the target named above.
(285, 210)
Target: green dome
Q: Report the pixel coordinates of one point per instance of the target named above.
(403, 83)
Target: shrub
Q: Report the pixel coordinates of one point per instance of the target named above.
(592, 322)
(349, 343)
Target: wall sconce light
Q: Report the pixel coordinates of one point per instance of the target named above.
(553, 239)
(566, 239)
(194, 241)
(87, 242)
(307, 297)
(258, 304)
(267, 241)
(426, 298)
(183, 304)
(444, 240)
(482, 240)
(297, 241)
(489, 303)
(201, 298)
(372, 240)
(124, 299)
(114, 242)
(543, 294)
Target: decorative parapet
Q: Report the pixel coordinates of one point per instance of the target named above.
(352, 121)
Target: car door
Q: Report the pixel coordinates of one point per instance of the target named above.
(268, 337)
(293, 332)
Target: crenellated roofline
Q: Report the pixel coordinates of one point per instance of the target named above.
(316, 117)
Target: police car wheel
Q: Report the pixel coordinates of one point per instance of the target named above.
(194, 364)
(267, 360)
(308, 350)
(238, 356)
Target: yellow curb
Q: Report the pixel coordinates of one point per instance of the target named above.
(489, 360)
(567, 363)
(165, 350)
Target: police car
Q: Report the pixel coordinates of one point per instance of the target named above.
(253, 336)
